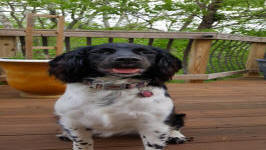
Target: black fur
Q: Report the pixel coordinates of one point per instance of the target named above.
(76, 65)
(155, 146)
(166, 65)
(174, 120)
(73, 66)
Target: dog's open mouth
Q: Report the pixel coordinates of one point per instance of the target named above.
(125, 70)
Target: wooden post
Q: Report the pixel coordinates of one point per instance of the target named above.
(7, 46)
(257, 51)
(60, 36)
(198, 58)
(30, 30)
(7, 49)
(29, 36)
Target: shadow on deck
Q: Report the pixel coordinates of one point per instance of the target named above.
(222, 115)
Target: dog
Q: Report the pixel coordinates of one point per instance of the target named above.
(117, 88)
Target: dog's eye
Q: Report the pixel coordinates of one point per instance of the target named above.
(141, 51)
(104, 51)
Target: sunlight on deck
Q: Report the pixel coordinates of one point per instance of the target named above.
(221, 115)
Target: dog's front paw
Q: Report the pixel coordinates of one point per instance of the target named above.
(178, 140)
(176, 137)
(63, 137)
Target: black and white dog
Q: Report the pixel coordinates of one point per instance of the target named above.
(117, 89)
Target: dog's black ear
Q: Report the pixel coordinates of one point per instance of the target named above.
(71, 66)
(166, 66)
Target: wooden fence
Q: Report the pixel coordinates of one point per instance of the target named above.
(211, 55)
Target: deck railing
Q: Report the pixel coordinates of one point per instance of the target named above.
(208, 55)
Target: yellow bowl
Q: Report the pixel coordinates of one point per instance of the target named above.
(31, 78)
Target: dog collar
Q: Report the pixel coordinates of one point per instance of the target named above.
(105, 85)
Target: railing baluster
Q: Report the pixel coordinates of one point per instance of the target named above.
(68, 45)
(89, 41)
(110, 40)
(151, 41)
(220, 56)
(227, 55)
(232, 55)
(214, 46)
(170, 42)
(238, 52)
(244, 50)
(131, 40)
(45, 43)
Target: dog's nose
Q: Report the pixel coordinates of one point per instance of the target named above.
(127, 59)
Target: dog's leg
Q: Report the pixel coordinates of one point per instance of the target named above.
(176, 122)
(64, 136)
(176, 137)
(81, 137)
(154, 138)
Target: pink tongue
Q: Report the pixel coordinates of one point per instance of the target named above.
(115, 70)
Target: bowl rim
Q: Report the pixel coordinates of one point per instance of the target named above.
(22, 60)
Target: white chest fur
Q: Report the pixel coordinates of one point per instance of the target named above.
(111, 111)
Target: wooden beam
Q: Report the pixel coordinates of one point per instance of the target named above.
(29, 36)
(257, 51)
(60, 35)
(225, 74)
(198, 57)
(207, 76)
(44, 32)
(191, 77)
(140, 34)
(44, 47)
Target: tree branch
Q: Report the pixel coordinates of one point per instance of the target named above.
(12, 13)
(187, 22)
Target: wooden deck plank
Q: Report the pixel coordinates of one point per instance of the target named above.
(236, 145)
(35, 142)
(10, 128)
(191, 114)
(200, 135)
(22, 125)
(220, 115)
(196, 123)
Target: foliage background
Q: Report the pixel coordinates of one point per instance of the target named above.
(246, 17)
(227, 16)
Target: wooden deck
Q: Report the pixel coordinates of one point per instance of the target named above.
(221, 115)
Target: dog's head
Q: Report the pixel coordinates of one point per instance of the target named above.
(115, 59)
